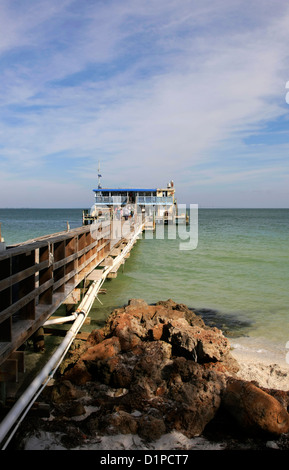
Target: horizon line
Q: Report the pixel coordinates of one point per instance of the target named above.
(199, 207)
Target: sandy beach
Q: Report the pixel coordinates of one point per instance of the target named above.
(260, 363)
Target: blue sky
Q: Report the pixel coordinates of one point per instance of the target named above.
(189, 90)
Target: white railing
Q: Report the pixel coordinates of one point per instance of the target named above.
(110, 200)
(155, 200)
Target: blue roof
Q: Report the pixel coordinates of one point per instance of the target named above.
(125, 190)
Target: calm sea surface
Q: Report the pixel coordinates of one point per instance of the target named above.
(237, 277)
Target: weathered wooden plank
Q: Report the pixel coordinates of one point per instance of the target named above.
(42, 242)
(73, 298)
(14, 278)
(112, 275)
(68, 259)
(115, 251)
(107, 261)
(9, 371)
(5, 350)
(106, 243)
(116, 267)
(95, 275)
(21, 249)
(40, 266)
(63, 280)
(19, 356)
(9, 311)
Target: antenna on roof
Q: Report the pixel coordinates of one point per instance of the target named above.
(99, 176)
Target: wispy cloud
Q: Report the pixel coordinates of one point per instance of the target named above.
(153, 90)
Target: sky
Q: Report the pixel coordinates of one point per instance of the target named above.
(153, 91)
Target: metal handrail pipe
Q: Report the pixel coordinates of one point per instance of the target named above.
(60, 320)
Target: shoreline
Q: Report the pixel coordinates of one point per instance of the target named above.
(260, 363)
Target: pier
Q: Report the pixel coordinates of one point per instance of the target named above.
(40, 275)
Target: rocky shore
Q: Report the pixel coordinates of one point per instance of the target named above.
(156, 375)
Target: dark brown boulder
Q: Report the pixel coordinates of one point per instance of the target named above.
(254, 409)
(78, 374)
(151, 428)
(196, 395)
(119, 422)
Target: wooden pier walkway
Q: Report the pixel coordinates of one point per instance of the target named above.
(38, 276)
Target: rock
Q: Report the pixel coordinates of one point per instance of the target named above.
(64, 391)
(95, 337)
(151, 428)
(78, 374)
(212, 345)
(77, 410)
(195, 394)
(200, 344)
(152, 351)
(272, 445)
(180, 335)
(69, 409)
(254, 409)
(128, 329)
(174, 370)
(182, 311)
(137, 303)
(104, 370)
(104, 350)
(148, 369)
(280, 395)
(121, 375)
(156, 332)
(168, 304)
(119, 422)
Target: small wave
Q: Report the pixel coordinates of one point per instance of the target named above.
(242, 347)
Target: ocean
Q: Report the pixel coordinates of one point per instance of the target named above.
(236, 278)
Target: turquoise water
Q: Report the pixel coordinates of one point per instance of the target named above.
(19, 225)
(237, 277)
